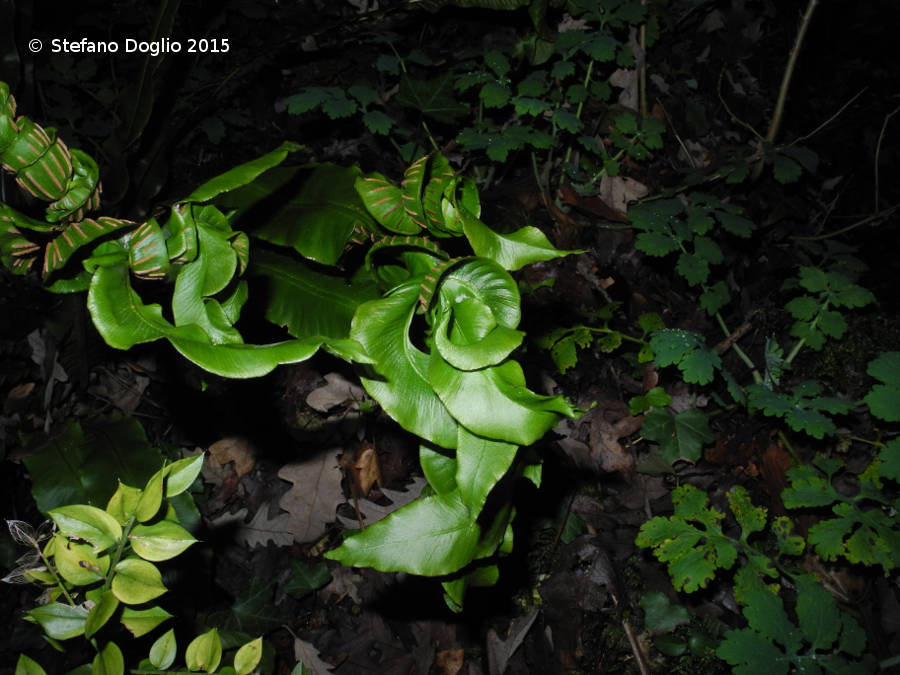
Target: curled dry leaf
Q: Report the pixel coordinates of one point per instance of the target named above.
(338, 391)
(234, 449)
(592, 442)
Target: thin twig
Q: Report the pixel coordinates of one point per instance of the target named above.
(878, 150)
(677, 135)
(884, 213)
(830, 119)
(731, 114)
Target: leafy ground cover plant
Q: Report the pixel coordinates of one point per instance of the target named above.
(437, 328)
(96, 565)
(523, 99)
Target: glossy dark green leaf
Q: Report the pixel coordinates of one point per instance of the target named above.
(241, 175)
(495, 403)
(75, 466)
(318, 220)
(433, 536)
(400, 383)
(309, 303)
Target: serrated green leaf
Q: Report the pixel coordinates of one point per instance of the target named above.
(803, 307)
(786, 170)
(693, 268)
(889, 460)
(807, 488)
(494, 94)
(750, 518)
(526, 105)
(433, 97)
(812, 422)
(735, 224)
(377, 122)
(813, 279)
(832, 324)
(817, 614)
(655, 243)
(715, 297)
(699, 366)
(752, 654)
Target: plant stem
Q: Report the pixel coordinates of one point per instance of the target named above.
(117, 556)
(59, 582)
(775, 126)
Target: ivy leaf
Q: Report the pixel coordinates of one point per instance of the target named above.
(680, 436)
(660, 615)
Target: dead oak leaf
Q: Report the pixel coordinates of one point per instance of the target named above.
(316, 493)
(260, 530)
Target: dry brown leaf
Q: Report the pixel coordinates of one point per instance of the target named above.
(373, 512)
(365, 471)
(449, 661)
(593, 441)
(618, 191)
(338, 391)
(234, 449)
(259, 531)
(316, 494)
(307, 654)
